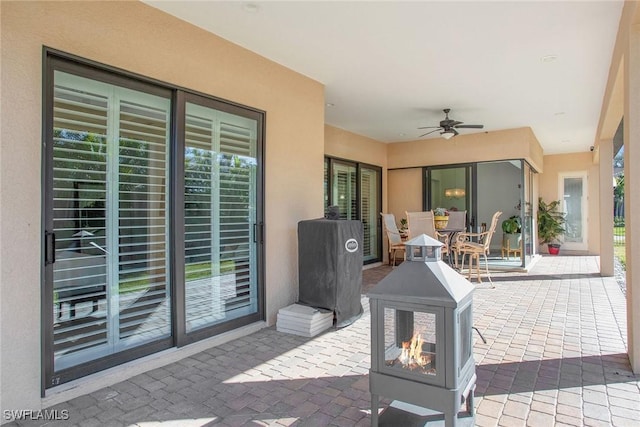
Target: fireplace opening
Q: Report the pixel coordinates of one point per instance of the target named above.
(410, 341)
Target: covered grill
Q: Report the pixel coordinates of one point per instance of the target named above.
(421, 343)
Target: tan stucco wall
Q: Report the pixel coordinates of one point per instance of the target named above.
(405, 191)
(549, 189)
(507, 144)
(404, 194)
(140, 39)
(350, 146)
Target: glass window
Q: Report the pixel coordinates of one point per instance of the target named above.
(111, 278)
(220, 209)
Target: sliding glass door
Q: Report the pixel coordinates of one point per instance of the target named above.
(219, 213)
(357, 191)
(370, 208)
(111, 273)
(153, 217)
(486, 187)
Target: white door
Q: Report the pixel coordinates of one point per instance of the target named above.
(573, 191)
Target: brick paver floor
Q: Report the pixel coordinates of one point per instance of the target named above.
(555, 355)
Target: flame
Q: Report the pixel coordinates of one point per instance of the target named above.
(411, 353)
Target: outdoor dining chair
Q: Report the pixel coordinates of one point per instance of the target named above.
(476, 245)
(423, 223)
(394, 239)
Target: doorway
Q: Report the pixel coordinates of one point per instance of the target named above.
(153, 213)
(356, 188)
(482, 189)
(573, 188)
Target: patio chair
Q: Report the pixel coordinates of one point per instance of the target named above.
(476, 245)
(457, 224)
(393, 236)
(423, 223)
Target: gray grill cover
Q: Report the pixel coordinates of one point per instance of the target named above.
(330, 267)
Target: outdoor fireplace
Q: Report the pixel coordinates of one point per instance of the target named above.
(421, 343)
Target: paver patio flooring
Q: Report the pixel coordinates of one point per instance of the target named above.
(555, 355)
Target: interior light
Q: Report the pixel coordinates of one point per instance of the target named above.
(447, 134)
(454, 193)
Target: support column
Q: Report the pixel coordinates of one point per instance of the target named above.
(632, 197)
(605, 153)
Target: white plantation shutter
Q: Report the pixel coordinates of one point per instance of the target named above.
(142, 222)
(365, 212)
(220, 167)
(110, 220)
(344, 190)
(79, 176)
(237, 208)
(369, 211)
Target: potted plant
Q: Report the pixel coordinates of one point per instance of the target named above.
(550, 224)
(440, 218)
(512, 229)
(404, 228)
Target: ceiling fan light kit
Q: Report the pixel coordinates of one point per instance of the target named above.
(448, 126)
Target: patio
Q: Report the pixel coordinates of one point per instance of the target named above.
(555, 355)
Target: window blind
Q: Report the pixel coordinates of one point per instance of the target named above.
(220, 280)
(109, 199)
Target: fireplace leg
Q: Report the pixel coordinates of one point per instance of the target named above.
(450, 420)
(470, 409)
(374, 409)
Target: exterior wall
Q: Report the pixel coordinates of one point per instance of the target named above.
(350, 146)
(548, 189)
(508, 144)
(405, 192)
(143, 40)
(347, 145)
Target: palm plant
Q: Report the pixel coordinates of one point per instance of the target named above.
(550, 222)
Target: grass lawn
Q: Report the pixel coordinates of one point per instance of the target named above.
(619, 247)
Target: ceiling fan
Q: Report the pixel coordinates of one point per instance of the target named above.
(448, 126)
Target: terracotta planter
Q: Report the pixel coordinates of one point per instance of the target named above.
(440, 222)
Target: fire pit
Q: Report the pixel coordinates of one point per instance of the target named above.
(421, 343)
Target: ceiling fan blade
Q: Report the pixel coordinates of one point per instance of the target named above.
(470, 126)
(435, 130)
(430, 127)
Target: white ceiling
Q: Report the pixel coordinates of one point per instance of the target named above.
(390, 67)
